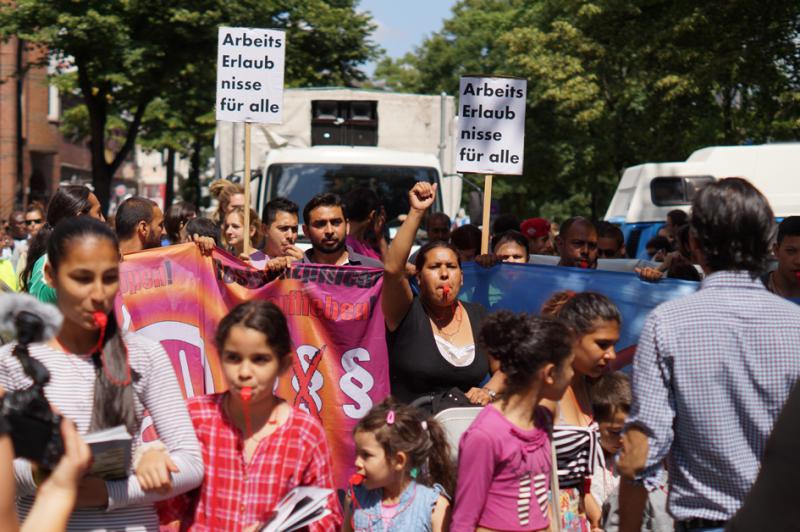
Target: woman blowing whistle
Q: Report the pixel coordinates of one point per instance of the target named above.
(431, 337)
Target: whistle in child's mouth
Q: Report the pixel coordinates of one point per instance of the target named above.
(356, 479)
(246, 393)
(100, 319)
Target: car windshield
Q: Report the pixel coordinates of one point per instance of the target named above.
(301, 181)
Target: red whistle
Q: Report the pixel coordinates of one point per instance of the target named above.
(584, 264)
(246, 393)
(100, 319)
(356, 479)
(445, 291)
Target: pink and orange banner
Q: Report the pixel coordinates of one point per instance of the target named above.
(177, 296)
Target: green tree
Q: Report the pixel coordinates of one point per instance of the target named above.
(632, 81)
(612, 83)
(128, 54)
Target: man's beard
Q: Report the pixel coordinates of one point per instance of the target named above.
(153, 241)
(329, 250)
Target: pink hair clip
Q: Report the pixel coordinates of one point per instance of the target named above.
(390, 417)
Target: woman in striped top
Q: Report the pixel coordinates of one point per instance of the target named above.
(101, 378)
(504, 461)
(596, 321)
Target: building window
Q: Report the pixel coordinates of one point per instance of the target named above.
(53, 104)
(53, 98)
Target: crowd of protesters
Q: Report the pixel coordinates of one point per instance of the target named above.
(562, 442)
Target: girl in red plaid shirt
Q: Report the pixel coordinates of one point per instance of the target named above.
(254, 451)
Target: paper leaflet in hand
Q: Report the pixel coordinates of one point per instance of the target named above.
(300, 507)
(111, 453)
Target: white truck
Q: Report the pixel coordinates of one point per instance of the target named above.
(647, 192)
(336, 139)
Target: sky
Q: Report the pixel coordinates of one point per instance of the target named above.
(403, 24)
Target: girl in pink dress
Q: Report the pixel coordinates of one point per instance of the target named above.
(504, 461)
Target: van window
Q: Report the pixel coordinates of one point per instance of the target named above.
(301, 181)
(676, 190)
(632, 242)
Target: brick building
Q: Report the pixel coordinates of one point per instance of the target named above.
(34, 155)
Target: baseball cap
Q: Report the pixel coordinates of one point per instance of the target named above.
(535, 227)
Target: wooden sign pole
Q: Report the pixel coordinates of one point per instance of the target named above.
(487, 207)
(246, 183)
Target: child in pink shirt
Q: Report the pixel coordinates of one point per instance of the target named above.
(504, 460)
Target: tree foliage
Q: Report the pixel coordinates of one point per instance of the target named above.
(128, 54)
(613, 83)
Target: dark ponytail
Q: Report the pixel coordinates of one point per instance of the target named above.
(114, 402)
(523, 344)
(440, 462)
(67, 202)
(422, 440)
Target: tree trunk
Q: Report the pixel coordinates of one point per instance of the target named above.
(194, 174)
(169, 194)
(96, 105)
(95, 99)
(101, 172)
(101, 180)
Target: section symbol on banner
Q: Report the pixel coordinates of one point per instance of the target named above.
(304, 380)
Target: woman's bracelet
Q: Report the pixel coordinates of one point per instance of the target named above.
(491, 393)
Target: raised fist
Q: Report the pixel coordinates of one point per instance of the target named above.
(422, 196)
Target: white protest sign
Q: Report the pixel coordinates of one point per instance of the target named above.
(250, 64)
(491, 123)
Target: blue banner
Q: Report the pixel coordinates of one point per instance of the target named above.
(525, 287)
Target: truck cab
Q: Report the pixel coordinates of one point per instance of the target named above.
(647, 192)
(300, 173)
